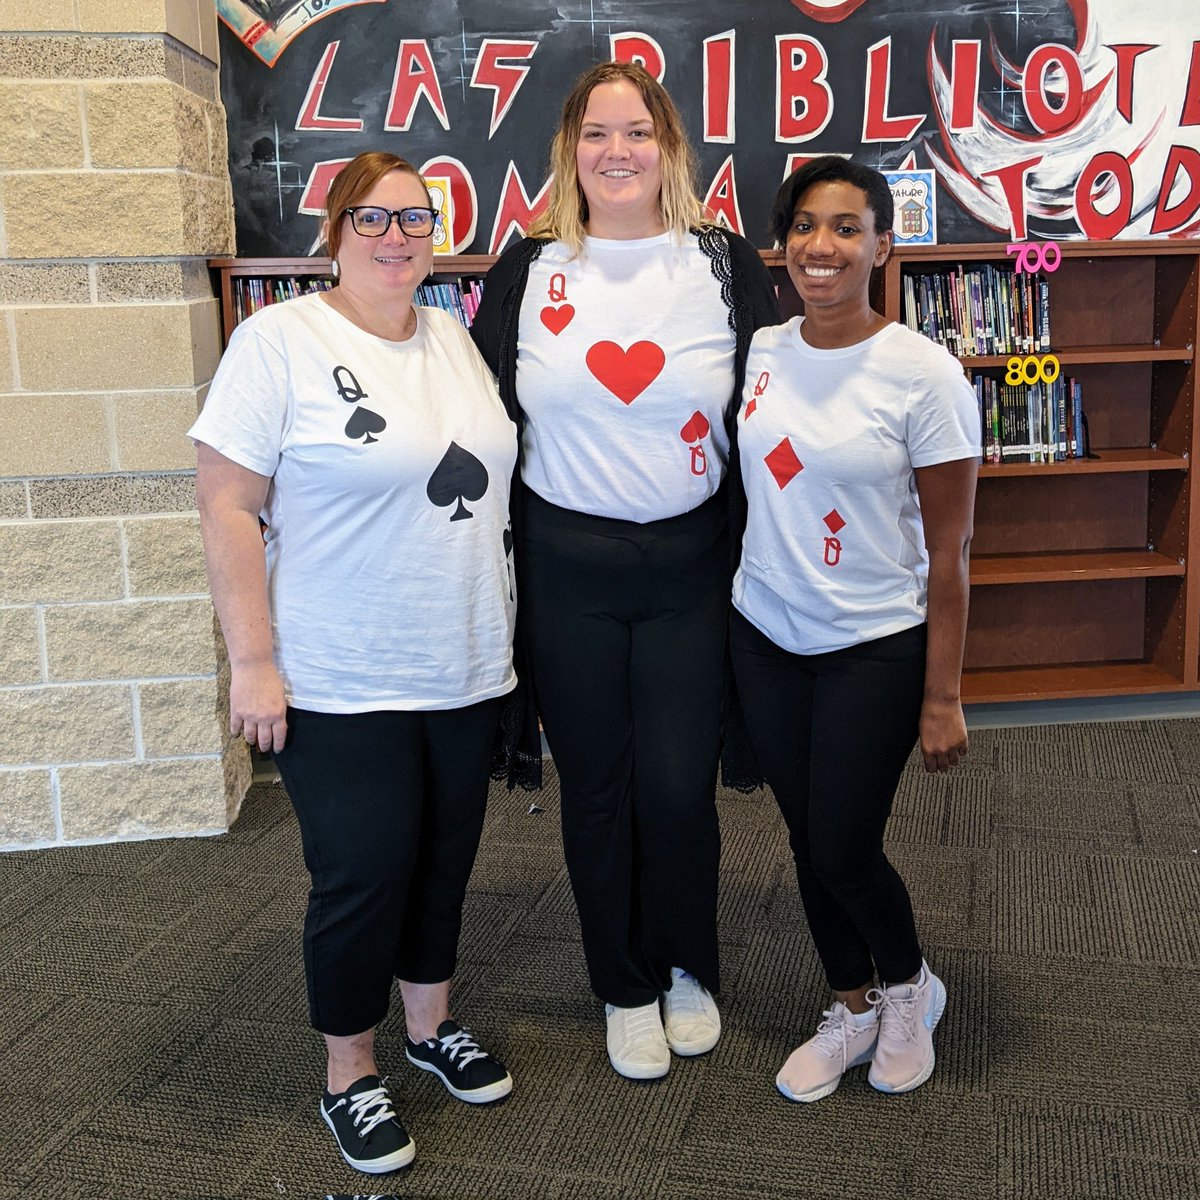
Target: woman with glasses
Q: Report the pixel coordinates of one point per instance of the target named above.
(619, 330)
(370, 638)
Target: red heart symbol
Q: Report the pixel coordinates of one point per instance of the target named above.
(626, 373)
(557, 319)
(696, 428)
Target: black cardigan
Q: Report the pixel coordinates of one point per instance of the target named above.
(749, 296)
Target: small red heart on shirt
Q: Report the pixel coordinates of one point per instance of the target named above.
(696, 428)
(626, 373)
(557, 319)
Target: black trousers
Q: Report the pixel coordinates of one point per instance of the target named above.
(832, 733)
(390, 806)
(626, 626)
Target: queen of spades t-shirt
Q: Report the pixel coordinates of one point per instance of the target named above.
(389, 570)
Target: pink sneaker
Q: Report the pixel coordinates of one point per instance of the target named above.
(908, 1013)
(814, 1069)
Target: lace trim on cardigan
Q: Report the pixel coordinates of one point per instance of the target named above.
(715, 246)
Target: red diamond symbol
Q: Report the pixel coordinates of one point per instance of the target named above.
(834, 520)
(751, 407)
(783, 463)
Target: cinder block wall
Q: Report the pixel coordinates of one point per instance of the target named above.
(114, 188)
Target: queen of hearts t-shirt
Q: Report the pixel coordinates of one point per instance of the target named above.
(388, 543)
(625, 369)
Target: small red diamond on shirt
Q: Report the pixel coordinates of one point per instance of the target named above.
(750, 408)
(834, 520)
(783, 463)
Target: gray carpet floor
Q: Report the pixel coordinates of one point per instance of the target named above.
(154, 1042)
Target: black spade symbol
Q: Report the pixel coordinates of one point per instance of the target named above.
(507, 542)
(459, 476)
(363, 423)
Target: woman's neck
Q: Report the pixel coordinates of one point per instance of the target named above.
(834, 329)
(390, 317)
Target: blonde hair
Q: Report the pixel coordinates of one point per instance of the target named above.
(566, 215)
(353, 182)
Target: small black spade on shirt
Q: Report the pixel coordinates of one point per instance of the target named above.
(363, 422)
(459, 476)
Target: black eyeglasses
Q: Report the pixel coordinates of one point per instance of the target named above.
(370, 221)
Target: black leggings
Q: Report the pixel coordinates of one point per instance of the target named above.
(390, 806)
(626, 627)
(832, 733)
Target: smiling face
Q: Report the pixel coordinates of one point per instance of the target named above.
(618, 163)
(391, 263)
(832, 245)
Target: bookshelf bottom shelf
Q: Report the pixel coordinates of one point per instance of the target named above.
(995, 685)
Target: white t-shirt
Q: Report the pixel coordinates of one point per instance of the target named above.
(834, 552)
(625, 368)
(388, 567)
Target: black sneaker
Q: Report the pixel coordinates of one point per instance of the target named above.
(456, 1058)
(368, 1132)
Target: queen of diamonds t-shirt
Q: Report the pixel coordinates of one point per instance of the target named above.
(388, 544)
(834, 550)
(625, 369)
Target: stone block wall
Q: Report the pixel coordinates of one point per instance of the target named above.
(114, 189)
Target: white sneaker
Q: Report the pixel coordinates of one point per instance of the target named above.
(813, 1070)
(690, 1017)
(637, 1046)
(908, 1014)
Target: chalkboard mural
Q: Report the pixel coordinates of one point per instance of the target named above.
(1060, 119)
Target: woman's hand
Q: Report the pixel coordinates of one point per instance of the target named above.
(257, 707)
(943, 734)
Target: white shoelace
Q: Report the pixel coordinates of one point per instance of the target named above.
(462, 1043)
(370, 1108)
(639, 1023)
(830, 1038)
(902, 1013)
(689, 998)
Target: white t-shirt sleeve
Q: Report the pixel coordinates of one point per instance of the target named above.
(245, 414)
(942, 414)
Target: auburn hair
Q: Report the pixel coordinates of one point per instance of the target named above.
(353, 182)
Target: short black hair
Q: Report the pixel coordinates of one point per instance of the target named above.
(830, 168)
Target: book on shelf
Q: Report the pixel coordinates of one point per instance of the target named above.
(251, 293)
(1029, 423)
(979, 310)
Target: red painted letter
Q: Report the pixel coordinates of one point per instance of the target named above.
(310, 111)
(515, 212)
(718, 87)
(877, 125)
(1126, 57)
(964, 85)
(722, 198)
(1170, 217)
(462, 196)
(800, 66)
(414, 77)
(1045, 118)
(493, 71)
(638, 48)
(1191, 99)
(1096, 225)
(1012, 183)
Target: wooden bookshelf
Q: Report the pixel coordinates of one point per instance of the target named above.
(1085, 572)
(1086, 580)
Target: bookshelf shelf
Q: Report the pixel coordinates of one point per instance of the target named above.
(1066, 681)
(1080, 355)
(1063, 567)
(1062, 606)
(1104, 462)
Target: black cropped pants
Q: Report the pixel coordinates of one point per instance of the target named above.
(626, 627)
(832, 733)
(390, 807)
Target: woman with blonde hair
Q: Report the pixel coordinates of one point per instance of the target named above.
(370, 637)
(618, 329)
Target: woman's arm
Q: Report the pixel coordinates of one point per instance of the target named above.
(947, 495)
(230, 497)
